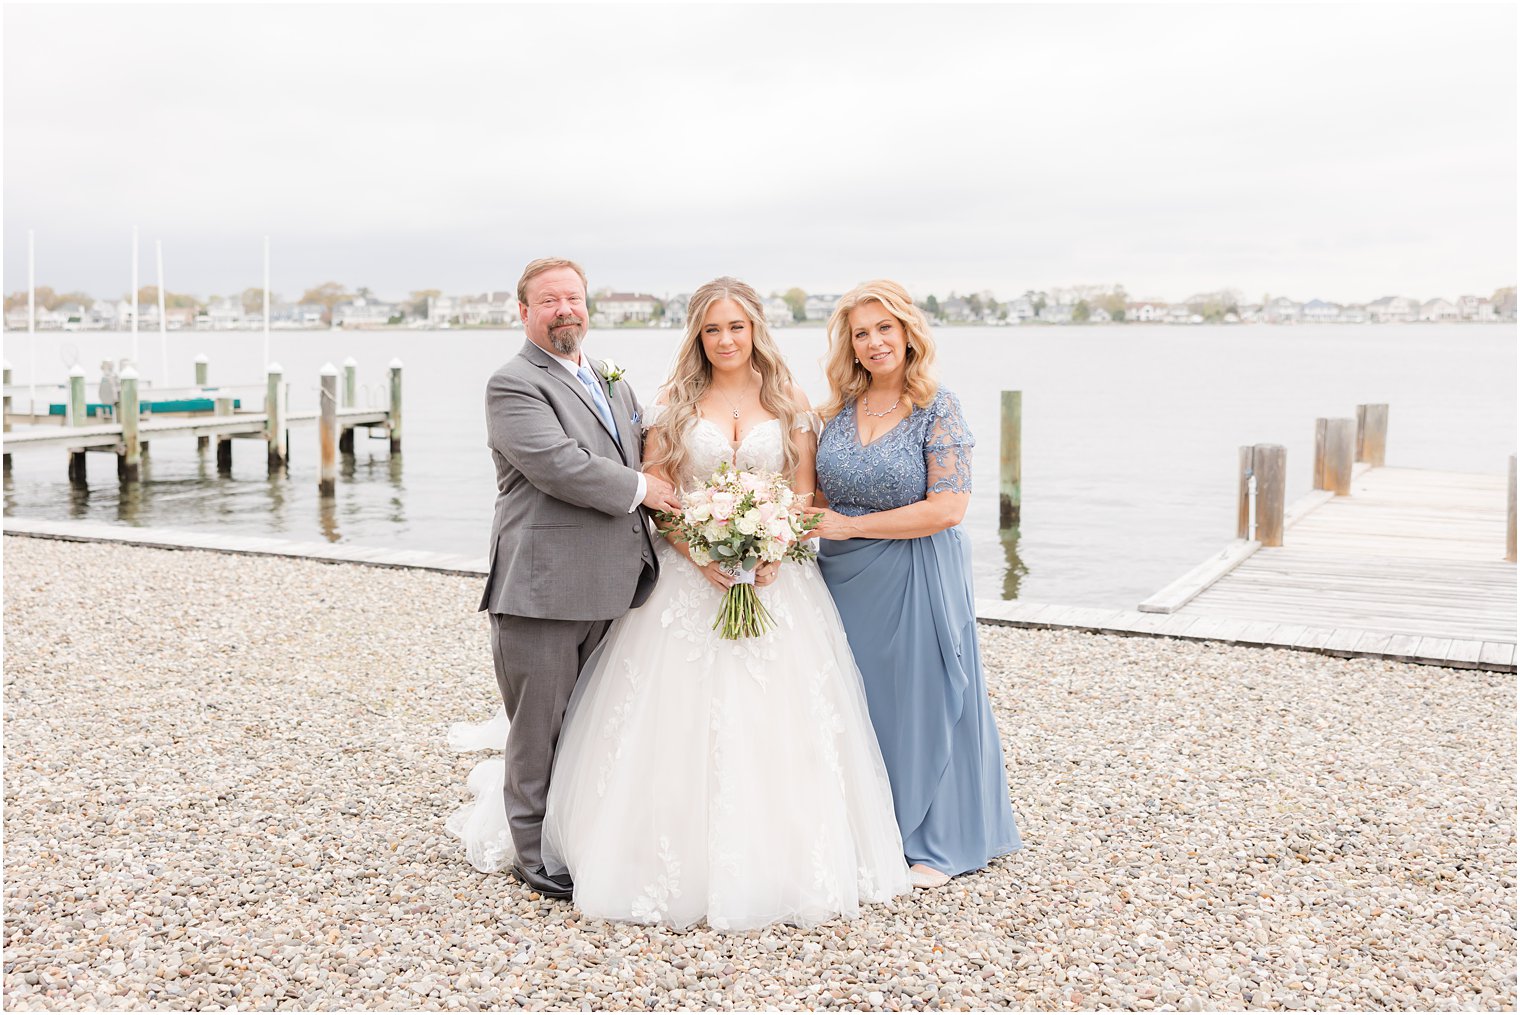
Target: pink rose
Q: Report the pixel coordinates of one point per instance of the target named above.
(722, 505)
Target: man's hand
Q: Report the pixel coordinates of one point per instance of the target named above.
(660, 495)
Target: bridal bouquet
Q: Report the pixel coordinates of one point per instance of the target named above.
(740, 519)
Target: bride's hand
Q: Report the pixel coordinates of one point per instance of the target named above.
(714, 573)
(766, 573)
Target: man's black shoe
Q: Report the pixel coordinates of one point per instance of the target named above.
(544, 883)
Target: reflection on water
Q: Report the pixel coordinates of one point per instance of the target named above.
(1014, 567)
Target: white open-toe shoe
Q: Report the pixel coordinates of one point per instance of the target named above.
(927, 877)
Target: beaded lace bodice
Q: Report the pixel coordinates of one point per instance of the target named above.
(928, 452)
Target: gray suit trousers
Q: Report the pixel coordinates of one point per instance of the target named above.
(537, 664)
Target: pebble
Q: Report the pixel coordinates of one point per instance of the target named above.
(226, 779)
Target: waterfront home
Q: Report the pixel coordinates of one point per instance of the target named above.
(1180, 313)
(1020, 310)
(624, 308)
(675, 310)
(1439, 309)
(1145, 311)
(818, 308)
(1056, 313)
(778, 313)
(1282, 310)
(224, 313)
(491, 309)
(361, 312)
(1352, 313)
(1099, 316)
(16, 317)
(1393, 309)
(956, 310)
(442, 310)
(1250, 313)
(1320, 312)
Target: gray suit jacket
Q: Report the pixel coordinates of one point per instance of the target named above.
(564, 545)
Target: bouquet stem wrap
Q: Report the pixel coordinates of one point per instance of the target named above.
(742, 614)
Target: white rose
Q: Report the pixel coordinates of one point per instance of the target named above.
(748, 522)
(700, 557)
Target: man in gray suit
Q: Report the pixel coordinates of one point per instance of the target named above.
(571, 548)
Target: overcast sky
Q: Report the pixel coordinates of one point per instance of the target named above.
(1343, 152)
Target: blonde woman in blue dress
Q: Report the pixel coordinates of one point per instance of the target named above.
(894, 463)
(736, 783)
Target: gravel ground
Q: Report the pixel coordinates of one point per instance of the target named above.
(226, 779)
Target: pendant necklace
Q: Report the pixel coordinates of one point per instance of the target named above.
(730, 401)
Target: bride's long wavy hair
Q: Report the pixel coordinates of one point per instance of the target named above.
(692, 376)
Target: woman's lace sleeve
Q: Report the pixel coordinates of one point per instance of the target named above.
(947, 447)
(810, 421)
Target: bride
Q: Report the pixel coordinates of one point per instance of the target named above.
(736, 782)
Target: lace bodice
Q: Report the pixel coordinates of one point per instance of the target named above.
(928, 452)
(707, 447)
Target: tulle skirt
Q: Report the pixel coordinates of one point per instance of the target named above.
(697, 779)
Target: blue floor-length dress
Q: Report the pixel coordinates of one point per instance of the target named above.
(909, 613)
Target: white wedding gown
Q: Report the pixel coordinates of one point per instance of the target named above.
(736, 782)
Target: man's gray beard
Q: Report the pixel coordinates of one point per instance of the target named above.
(566, 340)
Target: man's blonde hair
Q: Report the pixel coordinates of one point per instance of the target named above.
(538, 267)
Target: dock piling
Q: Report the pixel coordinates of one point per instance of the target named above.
(224, 441)
(275, 431)
(1372, 433)
(1243, 494)
(395, 419)
(327, 433)
(7, 413)
(129, 464)
(75, 415)
(346, 434)
(1509, 540)
(1270, 467)
(202, 369)
(1340, 455)
(1010, 494)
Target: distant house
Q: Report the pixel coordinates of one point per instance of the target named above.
(1282, 311)
(1145, 311)
(624, 308)
(498, 309)
(225, 313)
(956, 310)
(1250, 313)
(1352, 313)
(1056, 313)
(1439, 309)
(1488, 311)
(1393, 310)
(675, 310)
(819, 308)
(1180, 314)
(441, 310)
(1467, 307)
(361, 312)
(1020, 310)
(778, 313)
(1099, 316)
(1321, 312)
(16, 318)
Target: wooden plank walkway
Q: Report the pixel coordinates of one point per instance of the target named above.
(242, 424)
(1412, 559)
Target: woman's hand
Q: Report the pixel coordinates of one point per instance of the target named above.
(833, 526)
(767, 573)
(714, 573)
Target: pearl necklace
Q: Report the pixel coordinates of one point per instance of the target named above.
(865, 406)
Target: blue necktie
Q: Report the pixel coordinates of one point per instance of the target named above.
(598, 399)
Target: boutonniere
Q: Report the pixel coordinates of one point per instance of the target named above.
(611, 373)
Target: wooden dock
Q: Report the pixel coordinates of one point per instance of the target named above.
(241, 424)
